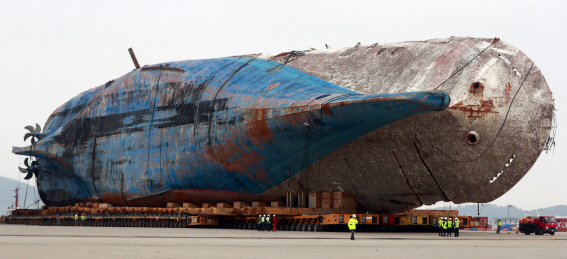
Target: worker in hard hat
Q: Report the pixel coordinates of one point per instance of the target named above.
(450, 227)
(498, 226)
(444, 226)
(76, 219)
(263, 222)
(352, 225)
(259, 222)
(440, 223)
(274, 222)
(457, 225)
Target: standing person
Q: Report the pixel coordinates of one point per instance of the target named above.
(498, 225)
(274, 222)
(352, 225)
(440, 223)
(457, 225)
(58, 219)
(82, 219)
(259, 222)
(268, 223)
(76, 219)
(444, 226)
(263, 222)
(450, 227)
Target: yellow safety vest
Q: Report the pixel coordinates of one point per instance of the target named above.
(263, 219)
(499, 223)
(82, 217)
(352, 223)
(444, 224)
(440, 223)
(259, 220)
(450, 224)
(76, 217)
(267, 219)
(457, 225)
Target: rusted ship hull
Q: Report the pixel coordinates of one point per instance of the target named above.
(208, 130)
(498, 95)
(222, 140)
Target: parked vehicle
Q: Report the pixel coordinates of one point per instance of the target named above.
(539, 225)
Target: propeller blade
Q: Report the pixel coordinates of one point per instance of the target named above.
(26, 162)
(23, 170)
(27, 136)
(37, 128)
(30, 128)
(30, 174)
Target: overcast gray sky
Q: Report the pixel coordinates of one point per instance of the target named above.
(53, 50)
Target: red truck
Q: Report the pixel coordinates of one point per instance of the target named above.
(539, 225)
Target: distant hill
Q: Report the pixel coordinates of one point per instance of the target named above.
(495, 211)
(7, 193)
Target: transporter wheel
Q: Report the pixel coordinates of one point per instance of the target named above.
(310, 227)
(527, 233)
(552, 233)
(540, 231)
(304, 227)
(316, 227)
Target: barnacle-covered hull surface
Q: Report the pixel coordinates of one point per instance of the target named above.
(373, 121)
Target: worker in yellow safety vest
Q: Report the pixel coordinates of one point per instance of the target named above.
(268, 223)
(457, 225)
(440, 226)
(83, 219)
(450, 227)
(259, 222)
(76, 219)
(444, 226)
(352, 225)
(498, 226)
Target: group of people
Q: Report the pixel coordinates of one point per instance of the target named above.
(447, 227)
(267, 223)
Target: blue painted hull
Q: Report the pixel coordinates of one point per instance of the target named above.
(218, 130)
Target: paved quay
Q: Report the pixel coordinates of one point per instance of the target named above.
(21, 241)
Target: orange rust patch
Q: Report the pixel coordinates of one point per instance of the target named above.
(475, 110)
(327, 110)
(251, 159)
(237, 166)
(260, 174)
(234, 165)
(507, 91)
(222, 152)
(258, 126)
(476, 88)
(272, 86)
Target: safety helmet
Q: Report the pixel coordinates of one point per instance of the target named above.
(353, 215)
(274, 215)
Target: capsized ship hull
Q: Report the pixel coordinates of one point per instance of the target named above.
(496, 126)
(217, 130)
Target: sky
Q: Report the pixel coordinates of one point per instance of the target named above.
(50, 51)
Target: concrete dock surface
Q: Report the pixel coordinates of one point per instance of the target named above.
(22, 241)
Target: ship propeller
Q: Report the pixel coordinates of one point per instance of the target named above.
(30, 170)
(34, 133)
